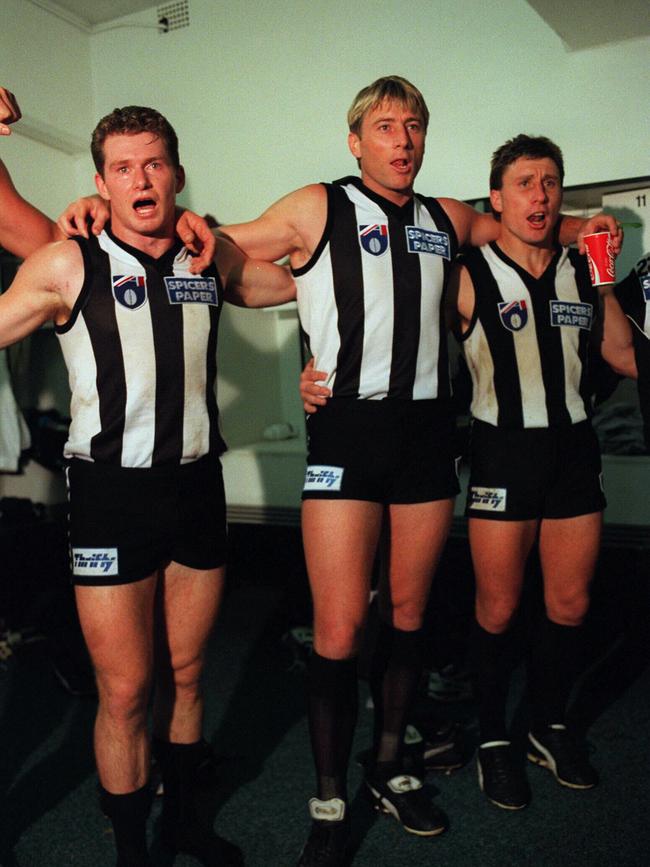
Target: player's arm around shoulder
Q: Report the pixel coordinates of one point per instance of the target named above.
(251, 282)
(44, 289)
(471, 226)
(291, 227)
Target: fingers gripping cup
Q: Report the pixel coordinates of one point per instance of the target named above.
(601, 258)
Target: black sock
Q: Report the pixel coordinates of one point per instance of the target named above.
(555, 661)
(184, 829)
(394, 678)
(332, 707)
(128, 814)
(490, 660)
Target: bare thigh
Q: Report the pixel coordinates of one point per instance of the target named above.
(499, 553)
(568, 550)
(418, 532)
(340, 539)
(117, 623)
(188, 604)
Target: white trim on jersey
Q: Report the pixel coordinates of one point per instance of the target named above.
(566, 288)
(378, 307)
(80, 361)
(196, 423)
(432, 270)
(318, 315)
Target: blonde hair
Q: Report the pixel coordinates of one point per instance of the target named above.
(390, 87)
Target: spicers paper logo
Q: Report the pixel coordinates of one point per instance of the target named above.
(574, 314)
(192, 290)
(427, 241)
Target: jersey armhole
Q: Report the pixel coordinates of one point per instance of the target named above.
(304, 269)
(83, 292)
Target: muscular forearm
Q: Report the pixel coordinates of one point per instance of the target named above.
(23, 228)
(617, 345)
(262, 285)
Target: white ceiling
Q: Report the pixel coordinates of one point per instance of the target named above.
(87, 14)
(579, 23)
(587, 23)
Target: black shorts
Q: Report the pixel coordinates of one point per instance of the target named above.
(521, 475)
(125, 523)
(383, 451)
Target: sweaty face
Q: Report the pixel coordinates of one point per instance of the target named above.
(529, 200)
(141, 183)
(390, 147)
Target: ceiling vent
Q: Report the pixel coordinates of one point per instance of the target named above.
(173, 16)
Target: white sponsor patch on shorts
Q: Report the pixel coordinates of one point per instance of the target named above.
(322, 478)
(88, 562)
(487, 499)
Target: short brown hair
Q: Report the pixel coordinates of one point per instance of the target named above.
(390, 87)
(532, 147)
(131, 120)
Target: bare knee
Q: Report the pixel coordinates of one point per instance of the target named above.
(568, 608)
(123, 699)
(337, 639)
(495, 615)
(406, 615)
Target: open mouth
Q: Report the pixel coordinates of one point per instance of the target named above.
(537, 219)
(143, 205)
(401, 165)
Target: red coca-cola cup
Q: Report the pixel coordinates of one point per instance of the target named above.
(602, 269)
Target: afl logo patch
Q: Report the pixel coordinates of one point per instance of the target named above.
(130, 292)
(374, 239)
(513, 314)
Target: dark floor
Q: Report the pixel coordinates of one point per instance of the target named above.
(255, 721)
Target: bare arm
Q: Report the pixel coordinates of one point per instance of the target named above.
(291, 227)
(478, 229)
(23, 228)
(459, 300)
(250, 282)
(44, 289)
(573, 230)
(617, 345)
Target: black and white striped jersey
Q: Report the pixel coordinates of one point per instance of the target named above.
(140, 348)
(633, 294)
(527, 347)
(371, 297)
